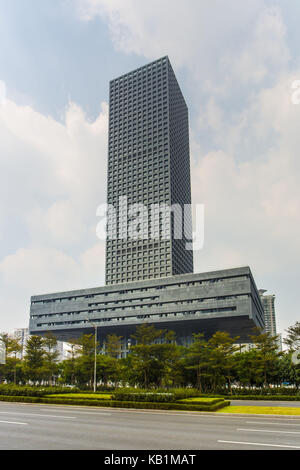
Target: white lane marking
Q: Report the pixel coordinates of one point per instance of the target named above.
(12, 422)
(36, 414)
(131, 410)
(260, 444)
(280, 418)
(82, 412)
(273, 423)
(268, 430)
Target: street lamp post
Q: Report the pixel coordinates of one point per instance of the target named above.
(95, 358)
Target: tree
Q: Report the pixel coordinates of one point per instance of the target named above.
(85, 361)
(50, 356)
(152, 357)
(197, 358)
(113, 345)
(222, 357)
(213, 361)
(69, 366)
(293, 337)
(266, 355)
(34, 357)
(246, 368)
(108, 369)
(146, 334)
(12, 349)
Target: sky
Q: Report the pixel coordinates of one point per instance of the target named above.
(236, 63)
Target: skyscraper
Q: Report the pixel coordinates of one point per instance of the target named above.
(268, 302)
(149, 165)
(149, 267)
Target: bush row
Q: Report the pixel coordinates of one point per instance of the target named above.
(261, 391)
(201, 401)
(253, 397)
(151, 397)
(26, 390)
(265, 397)
(117, 404)
(89, 396)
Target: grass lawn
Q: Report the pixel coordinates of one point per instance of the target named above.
(99, 396)
(195, 400)
(263, 410)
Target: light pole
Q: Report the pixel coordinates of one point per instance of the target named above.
(95, 359)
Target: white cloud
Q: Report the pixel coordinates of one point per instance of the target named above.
(176, 27)
(52, 179)
(39, 268)
(251, 191)
(218, 42)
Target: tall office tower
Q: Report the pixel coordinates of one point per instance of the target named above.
(268, 302)
(148, 164)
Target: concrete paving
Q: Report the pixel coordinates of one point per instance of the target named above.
(54, 427)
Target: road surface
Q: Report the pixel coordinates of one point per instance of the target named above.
(55, 427)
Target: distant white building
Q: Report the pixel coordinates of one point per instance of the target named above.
(279, 342)
(268, 302)
(2, 352)
(61, 351)
(22, 334)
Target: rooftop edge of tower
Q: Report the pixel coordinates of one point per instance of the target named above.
(150, 64)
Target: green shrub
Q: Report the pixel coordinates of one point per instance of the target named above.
(89, 396)
(26, 390)
(116, 404)
(201, 401)
(265, 397)
(151, 397)
(261, 391)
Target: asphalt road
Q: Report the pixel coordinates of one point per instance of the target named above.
(54, 427)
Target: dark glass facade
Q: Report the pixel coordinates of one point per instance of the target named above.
(148, 164)
(225, 300)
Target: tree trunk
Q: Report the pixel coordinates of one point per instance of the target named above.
(229, 383)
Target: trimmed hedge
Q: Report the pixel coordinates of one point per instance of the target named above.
(256, 397)
(150, 397)
(201, 401)
(262, 397)
(84, 396)
(262, 391)
(117, 404)
(28, 391)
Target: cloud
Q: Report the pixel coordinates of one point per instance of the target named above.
(217, 42)
(251, 193)
(147, 28)
(52, 180)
